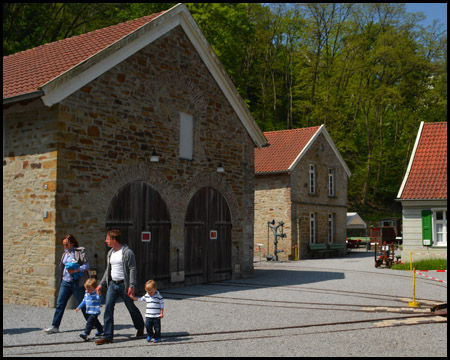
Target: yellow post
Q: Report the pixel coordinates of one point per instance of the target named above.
(296, 252)
(414, 303)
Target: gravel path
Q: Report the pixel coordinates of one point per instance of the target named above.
(271, 314)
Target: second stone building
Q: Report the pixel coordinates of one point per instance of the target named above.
(301, 181)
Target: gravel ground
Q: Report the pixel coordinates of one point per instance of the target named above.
(256, 313)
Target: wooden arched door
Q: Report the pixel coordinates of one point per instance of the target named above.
(207, 239)
(136, 208)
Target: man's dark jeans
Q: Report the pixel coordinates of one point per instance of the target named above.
(114, 292)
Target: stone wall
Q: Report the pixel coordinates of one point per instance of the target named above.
(323, 157)
(29, 187)
(104, 135)
(272, 202)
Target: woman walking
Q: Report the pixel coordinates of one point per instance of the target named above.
(73, 273)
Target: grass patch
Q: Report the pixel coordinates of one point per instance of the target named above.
(429, 264)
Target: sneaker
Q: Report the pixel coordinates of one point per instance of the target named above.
(156, 340)
(52, 330)
(84, 337)
(149, 338)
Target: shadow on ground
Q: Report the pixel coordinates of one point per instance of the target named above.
(262, 278)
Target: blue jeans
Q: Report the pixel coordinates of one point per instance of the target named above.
(65, 292)
(91, 323)
(114, 292)
(155, 323)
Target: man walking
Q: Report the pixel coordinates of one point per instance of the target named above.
(120, 278)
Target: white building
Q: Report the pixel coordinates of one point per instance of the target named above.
(423, 195)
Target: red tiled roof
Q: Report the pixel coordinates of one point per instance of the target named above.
(285, 146)
(27, 71)
(427, 177)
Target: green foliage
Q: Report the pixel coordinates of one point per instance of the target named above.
(429, 264)
(368, 71)
(228, 30)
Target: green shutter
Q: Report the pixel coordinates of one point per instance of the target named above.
(426, 228)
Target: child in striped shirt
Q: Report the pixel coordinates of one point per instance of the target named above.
(92, 302)
(154, 311)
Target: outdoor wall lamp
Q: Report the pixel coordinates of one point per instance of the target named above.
(220, 169)
(154, 158)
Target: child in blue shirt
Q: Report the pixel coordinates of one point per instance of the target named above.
(154, 311)
(92, 302)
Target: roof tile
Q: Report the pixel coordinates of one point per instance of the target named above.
(284, 148)
(27, 71)
(427, 178)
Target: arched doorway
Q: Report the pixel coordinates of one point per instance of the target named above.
(207, 238)
(136, 208)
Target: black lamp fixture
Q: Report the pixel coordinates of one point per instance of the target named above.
(220, 169)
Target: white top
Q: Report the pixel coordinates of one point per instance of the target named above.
(154, 304)
(116, 265)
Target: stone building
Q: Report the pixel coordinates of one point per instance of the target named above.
(136, 127)
(301, 180)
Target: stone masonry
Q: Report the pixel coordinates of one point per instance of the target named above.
(62, 165)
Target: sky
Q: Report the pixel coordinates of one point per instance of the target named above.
(431, 11)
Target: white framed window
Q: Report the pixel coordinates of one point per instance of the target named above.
(186, 136)
(312, 228)
(331, 228)
(331, 191)
(312, 179)
(440, 227)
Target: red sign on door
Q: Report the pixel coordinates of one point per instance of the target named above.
(213, 235)
(146, 236)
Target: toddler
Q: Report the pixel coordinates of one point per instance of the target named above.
(154, 311)
(92, 302)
